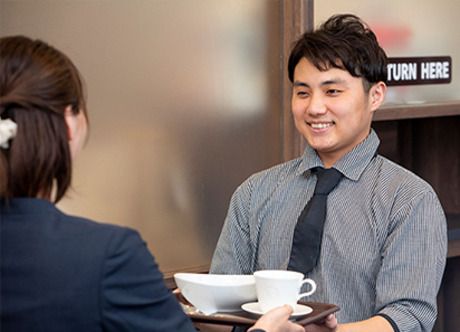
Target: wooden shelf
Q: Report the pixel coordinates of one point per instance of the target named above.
(415, 111)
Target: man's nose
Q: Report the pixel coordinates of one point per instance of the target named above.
(317, 105)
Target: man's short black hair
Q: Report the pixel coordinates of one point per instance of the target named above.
(345, 42)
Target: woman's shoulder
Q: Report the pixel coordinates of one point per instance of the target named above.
(73, 225)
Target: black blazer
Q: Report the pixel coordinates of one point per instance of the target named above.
(64, 273)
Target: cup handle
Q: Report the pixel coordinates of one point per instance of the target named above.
(312, 290)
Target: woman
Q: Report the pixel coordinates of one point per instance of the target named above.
(61, 272)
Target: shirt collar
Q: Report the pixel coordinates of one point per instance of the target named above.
(351, 165)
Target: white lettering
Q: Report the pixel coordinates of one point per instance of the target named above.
(438, 69)
(402, 71)
(409, 71)
(393, 75)
(445, 69)
(432, 66)
(389, 71)
(425, 70)
(435, 70)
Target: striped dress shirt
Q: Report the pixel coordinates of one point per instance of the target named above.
(384, 244)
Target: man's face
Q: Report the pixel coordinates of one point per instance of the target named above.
(332, 110)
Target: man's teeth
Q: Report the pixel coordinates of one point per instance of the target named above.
(320, 125)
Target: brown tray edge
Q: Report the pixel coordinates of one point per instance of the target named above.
(243, 318)
(320, 316)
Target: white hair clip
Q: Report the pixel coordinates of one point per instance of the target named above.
(8, 129)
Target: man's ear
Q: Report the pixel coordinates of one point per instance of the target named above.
(71, 122)
(377, 95)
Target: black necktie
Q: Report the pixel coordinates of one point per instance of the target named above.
(308, 231)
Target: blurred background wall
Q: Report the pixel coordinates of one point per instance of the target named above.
(183, 98)
(408, 28)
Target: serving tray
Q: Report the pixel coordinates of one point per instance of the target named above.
(243, 318)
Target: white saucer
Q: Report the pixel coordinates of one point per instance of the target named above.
(254, 308)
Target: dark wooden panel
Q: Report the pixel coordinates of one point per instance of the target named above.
(431, 149)
(451, 299)
(297, 18)
(436, 158)
(414, 111)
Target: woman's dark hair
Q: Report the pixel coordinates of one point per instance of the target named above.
(37, 84)
(345, 42)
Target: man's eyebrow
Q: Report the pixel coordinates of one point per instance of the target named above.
(334, 81)
(301, 84)
(327, 82)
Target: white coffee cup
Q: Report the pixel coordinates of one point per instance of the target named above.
(278, 287)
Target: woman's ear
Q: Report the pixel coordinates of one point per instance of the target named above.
(71, 121)
(377, 95)
(77, 128)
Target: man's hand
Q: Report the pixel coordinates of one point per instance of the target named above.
(328, 325)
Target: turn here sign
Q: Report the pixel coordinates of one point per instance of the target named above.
(419, 70)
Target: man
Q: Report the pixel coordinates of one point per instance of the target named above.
(384, 239)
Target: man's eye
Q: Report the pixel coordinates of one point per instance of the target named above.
(301, 93)
(333, 92)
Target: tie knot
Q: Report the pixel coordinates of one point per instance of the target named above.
(326, 181)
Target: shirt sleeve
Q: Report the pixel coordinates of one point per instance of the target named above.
(234, 253)
(414, 257)
(134, 297)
